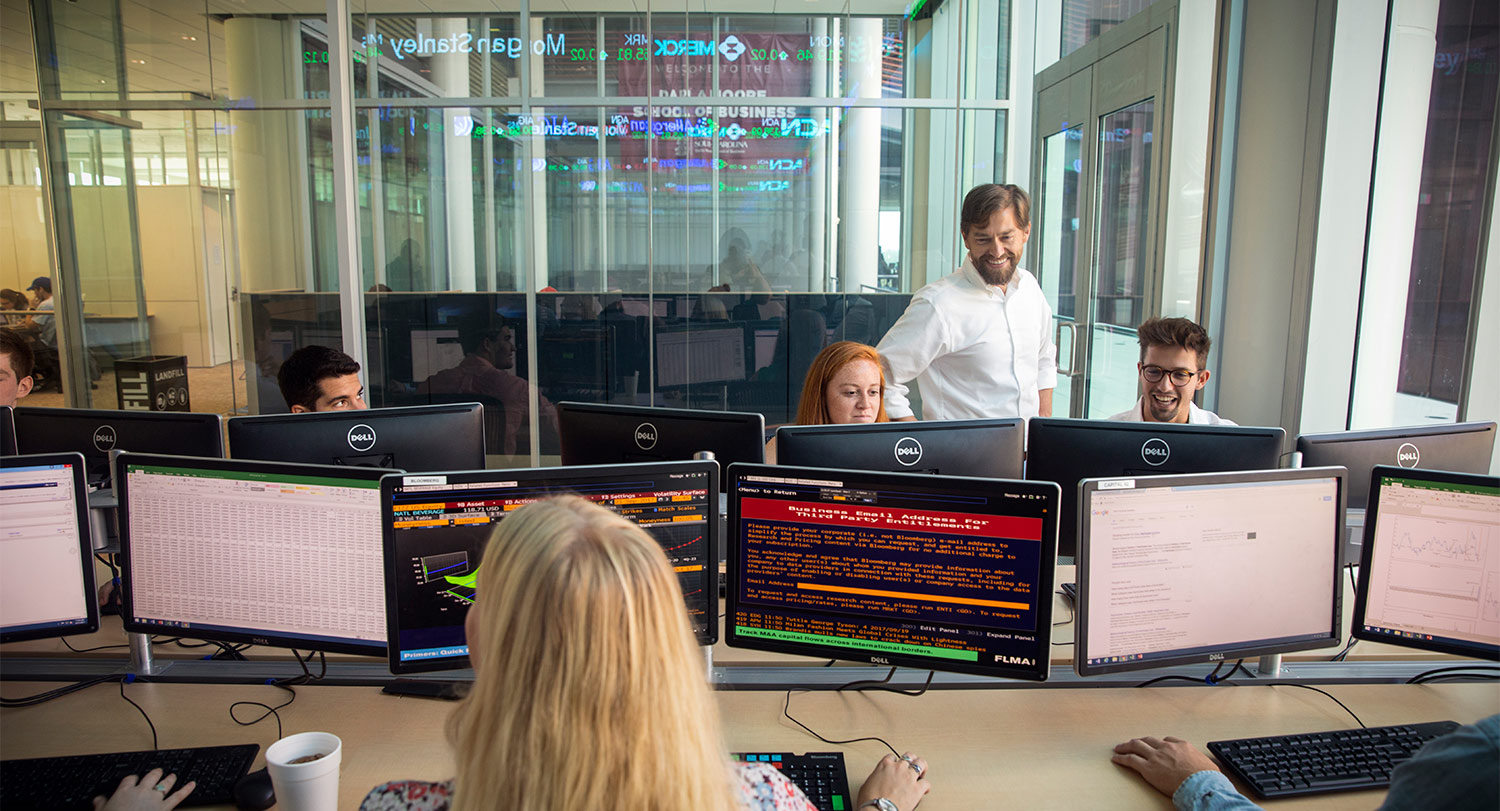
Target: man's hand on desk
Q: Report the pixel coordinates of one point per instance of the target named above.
(151, 792)
(902, 781)
(1164, 762)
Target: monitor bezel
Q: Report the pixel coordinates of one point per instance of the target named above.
(1367, 553)
(8, 431)
(265, 638)
(391, 561)
(85, 544)
(568, 410)
(1087, 487)
(1330, 443)
(1046, 582)
(900, 429)
(104, 416)
(272, 422)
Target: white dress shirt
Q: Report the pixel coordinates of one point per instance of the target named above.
(1196, 415)
(976, 351)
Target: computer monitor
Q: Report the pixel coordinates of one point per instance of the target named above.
(598, 434)
(415, 438)
(1067, 451)
(984, 448)
(932, 572)
(1463, 447)
(95, 432)
(46, 561)
(7, 431)
(1206, 568)
(1429, 575)
(436, 527)
(706, 354)
(269, 553)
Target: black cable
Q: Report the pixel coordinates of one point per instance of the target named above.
(1456, 676)
(70, 647)
(269, 710)
(1169, 678)
(55, 692)
(1330, 695)
(882, 684)
(1211, 679)
(786, 710)
(130, 677)
(1422, 677)
(1072, 613)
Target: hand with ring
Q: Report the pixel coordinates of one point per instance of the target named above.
(901, 780)
(150, 792)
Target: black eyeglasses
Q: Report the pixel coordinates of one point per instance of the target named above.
(1180, 377)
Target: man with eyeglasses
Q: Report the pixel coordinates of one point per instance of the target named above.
(1173, 354)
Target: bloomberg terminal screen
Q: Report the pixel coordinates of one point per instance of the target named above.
(924, 571)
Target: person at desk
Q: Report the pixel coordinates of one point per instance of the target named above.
(588, 686)
(17, 301)
(1174, 352)
(979, 341)
(489, 357)
(1459, 771)
(321, 378)
(16, 362)
(844, 385)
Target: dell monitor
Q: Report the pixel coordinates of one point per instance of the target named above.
(7, 431)
(1067, 451)
(1463, 447)
(610, 434)
(1429, 575)
(983, 448)
(268, 553)
(931, 572)
(415, 438)
(46, 560)
(436, 527)
(96, 432)
(1210, 567)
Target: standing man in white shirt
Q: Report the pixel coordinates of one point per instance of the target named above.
(1173, 354)
(978, 341)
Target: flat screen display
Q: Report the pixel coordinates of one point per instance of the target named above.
(46, 569)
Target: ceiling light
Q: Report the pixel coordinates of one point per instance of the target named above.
(189, 39)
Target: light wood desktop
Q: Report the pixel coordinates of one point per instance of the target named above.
(987, 748)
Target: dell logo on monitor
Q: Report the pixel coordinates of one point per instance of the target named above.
(645, 436)
(1408, 456)
(361, 437)
(1155, 451)
(104, 437)
(908, 451)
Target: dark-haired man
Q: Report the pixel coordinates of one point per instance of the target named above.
(1174, 352)
(979, 341)
(320, 378)
(489, 358)
(16, 361)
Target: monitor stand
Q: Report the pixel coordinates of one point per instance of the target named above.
(1269, 665)
(708, 662)
(141, 663)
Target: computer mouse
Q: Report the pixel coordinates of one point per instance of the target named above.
(253, 792)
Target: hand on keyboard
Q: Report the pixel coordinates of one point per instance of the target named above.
(1164, 762)
(150, 792)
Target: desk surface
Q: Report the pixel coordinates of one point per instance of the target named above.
(988, 748)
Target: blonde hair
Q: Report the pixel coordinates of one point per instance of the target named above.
(812, 409)
(590, 692)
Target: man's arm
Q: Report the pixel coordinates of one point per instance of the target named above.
(1046, 361)
(1044, 403)
(907, 349)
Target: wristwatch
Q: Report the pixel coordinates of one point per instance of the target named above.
(880, 804)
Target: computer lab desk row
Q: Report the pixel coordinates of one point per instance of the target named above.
(990, 749)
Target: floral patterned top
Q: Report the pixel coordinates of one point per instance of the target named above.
(759, 786)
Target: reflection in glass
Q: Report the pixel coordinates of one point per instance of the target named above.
(1122, 254)
(1055, 224)
(1084, 21)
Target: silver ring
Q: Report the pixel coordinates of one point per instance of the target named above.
(907, 758)
(162, 787)
(915, 768)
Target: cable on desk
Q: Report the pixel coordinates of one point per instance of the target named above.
(1211, 679)
(127, 678)
(56, 692)
(285, 684)
(1326, 693)
(1476, 671)
(786, 709)
(1072, 612)
(69, 646)
(881, 684)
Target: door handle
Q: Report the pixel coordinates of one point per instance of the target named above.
(1072, 353)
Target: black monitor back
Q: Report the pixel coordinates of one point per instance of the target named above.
(1066, 451)
(415, 438)
(1463, 447)
(7, 431)
(984, 448)
(94, 432)
(596, 434)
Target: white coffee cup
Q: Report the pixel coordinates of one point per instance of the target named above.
(312, 785)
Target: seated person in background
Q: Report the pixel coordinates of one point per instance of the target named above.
(15, 300)
(489, 357)
(1173, 354)
(581, 606)
(320, 378)
(844, 385)
(1460, 770)
(16, 362)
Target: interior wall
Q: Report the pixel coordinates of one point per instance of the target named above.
(23, 237)
(172, 271)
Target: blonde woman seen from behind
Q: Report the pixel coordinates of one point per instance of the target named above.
(589, 690)
(845, 385)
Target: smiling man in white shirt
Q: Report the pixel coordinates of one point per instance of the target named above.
(978, 341)
(1173, 354)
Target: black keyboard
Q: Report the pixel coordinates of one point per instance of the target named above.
(1070, 591)
(820, 775)
(1321, 762)
(72, 781)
